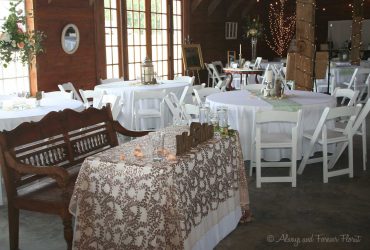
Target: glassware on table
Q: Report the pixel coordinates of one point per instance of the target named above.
(157, 141)
(223, 119)
(203, 114)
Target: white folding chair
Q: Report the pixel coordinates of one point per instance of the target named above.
(350, 84)
(364, 94)
(114, 102)
(68, 87)
(349, 94)
(276, 140)
(58, 94)
(189, 79)
(175, 108)
(257, 63)
(262, 79)
(91, 97)
(147, 104)
(191, 113)
(323, 136)
(359, 128)
(361, 84)
(216, 77)
(201, 94)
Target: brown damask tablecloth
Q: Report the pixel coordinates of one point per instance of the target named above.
(122, 202)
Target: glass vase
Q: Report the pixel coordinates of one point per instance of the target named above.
(254, 47)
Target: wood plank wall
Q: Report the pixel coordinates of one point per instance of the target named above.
(55, 66)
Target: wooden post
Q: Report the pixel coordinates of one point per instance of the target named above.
(305, 36)
(357, 18)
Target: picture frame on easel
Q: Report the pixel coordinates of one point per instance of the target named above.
(192, 57)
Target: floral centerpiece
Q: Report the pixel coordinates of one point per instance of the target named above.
(253, 29)
(15, 41)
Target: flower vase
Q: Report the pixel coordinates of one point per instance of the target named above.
(254, 47)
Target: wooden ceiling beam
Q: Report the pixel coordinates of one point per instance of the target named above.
(248, 7)
(195, 5)
(213, 6)
(233, 7)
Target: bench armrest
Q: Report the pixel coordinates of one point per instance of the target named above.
(123, 131)
(60, 175)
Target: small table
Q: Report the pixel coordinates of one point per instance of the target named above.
(244, 71)
(11, 119)
(242, 106)
(135, 203)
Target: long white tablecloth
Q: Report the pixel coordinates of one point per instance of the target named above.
(242, 106)
(125, 90)
(11, 119)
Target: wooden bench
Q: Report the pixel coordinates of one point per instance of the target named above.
(44, 157)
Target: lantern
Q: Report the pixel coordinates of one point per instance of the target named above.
(147, 71)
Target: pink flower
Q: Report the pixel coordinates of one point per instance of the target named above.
(20, 45)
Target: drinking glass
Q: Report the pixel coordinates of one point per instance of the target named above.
(157, 141)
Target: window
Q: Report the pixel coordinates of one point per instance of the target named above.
(136, 36)
(14, 78)
(146, 34)
(111, 38)
(177, 37)
(159, 37)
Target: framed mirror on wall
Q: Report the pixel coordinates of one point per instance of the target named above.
(70, 38)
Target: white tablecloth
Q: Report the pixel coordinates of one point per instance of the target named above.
(125, 90)
(242, 107)
(11, 119)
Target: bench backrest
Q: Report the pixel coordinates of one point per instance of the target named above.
(61, 139)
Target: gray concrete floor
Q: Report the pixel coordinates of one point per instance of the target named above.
(313, 215)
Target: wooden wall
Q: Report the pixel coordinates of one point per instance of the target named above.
(55, 66)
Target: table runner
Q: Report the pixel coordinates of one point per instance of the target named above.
(283, 104)
(140, 204)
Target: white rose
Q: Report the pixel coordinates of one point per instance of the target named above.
(5, 37)
(14, 43)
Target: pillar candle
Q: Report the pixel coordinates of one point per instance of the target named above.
(268, 76)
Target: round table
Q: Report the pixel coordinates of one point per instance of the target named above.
(242, 106)
(10, 119)
(125, 90)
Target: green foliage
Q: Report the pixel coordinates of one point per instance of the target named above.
(252, 27)
(15, 42)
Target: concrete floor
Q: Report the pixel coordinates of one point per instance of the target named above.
(313, 215)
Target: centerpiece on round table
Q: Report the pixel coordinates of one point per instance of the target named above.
(253, 29)
(147, 72)
(17, 43)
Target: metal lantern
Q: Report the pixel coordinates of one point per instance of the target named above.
(147, 71)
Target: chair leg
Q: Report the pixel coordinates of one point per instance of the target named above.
(258, 166)
(13, 218)
(294, 166)
(68, 231)
(364, 147)
(350, 156)
(325, 162)
(253, 162)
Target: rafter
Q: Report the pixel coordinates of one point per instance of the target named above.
(247, 8)
(195, 5)
(213, 6)
(233, 7)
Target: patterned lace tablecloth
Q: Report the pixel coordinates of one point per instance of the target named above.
(141, 204)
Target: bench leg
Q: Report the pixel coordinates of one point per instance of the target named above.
(68, 232)
(13, 218)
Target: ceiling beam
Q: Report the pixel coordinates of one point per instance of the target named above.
(195, 5)
(213, 6)
(248, 7)
(233, 7)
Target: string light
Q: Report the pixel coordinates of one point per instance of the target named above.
(357, 17)
(282, 28)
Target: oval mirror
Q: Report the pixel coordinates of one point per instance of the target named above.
(70, 38)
